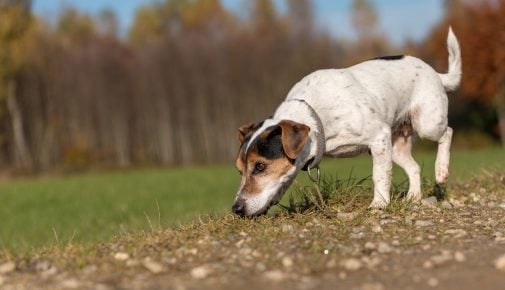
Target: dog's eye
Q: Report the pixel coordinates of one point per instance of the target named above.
(260, 167)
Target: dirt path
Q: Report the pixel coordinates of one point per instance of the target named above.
(451, 244)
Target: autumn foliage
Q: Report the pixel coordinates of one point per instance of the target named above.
(189, 72)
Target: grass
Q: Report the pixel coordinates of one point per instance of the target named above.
(98, 206)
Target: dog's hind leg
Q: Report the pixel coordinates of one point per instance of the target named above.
(429, 120)
(402, 156)
(381, 149)
(443, 155)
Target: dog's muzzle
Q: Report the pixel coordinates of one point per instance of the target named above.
(239, 207)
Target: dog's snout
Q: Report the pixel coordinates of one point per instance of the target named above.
(238, 207)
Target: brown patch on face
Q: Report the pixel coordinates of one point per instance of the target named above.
(254, 182)
(246, 131)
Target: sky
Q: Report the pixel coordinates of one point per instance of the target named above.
(399, 19)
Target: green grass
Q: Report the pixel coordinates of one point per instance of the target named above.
(97, 206)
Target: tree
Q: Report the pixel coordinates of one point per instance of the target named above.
(75, 27)
(370, 41)
(364, 18)
(301, 16)
(479, 27)
(108, 23)
(15, 20)
(263, 17)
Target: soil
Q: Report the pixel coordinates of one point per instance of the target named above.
(452, 243)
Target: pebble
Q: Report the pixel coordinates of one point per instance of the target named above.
(287, 228)
(499, 238)
(446, 204)
(440, 259)
(153, 267)
(421, 223)
(384, 248)
(456, 203)
(201, 272)
(347, 216)
(377, 229)
(433, 282)
(357, 236)
(372, 286)
(275, 275)
(49, 272)
(7, 267)
(132, 263)
(261, 267)
(342, 275)
(371, 262)
(502, 205)
(121, 256)
(428, 265)
(429, 201)
(42, 266)
(370, 246)
(287, 262)
(500, 263)
(70, 284)
(352, 264)
(457, 233)
(459, 257)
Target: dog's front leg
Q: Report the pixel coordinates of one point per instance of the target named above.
(381, 149)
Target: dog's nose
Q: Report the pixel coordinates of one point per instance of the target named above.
(238, 208)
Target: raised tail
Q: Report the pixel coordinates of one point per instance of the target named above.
(452, 78)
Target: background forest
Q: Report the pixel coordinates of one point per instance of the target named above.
(75, 93)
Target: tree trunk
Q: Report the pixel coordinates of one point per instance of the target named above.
(500, 112)
(22, 156)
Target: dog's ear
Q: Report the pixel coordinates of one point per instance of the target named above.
(294, 137)
(244, 131)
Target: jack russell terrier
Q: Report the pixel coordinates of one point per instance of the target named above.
(375, 106)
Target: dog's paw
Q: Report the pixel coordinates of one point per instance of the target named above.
(378, 204)
(441, 173)
(414, 197)
(441, 176)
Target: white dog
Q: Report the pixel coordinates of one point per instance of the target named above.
(375, 106)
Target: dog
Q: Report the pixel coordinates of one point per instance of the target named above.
(375, 106)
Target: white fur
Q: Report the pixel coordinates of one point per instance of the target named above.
(360, 106)
(271, 194)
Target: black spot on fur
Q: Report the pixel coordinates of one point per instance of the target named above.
(271, 147)
(389, 57)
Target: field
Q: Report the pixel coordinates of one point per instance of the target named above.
(119, 231)
(94, 207)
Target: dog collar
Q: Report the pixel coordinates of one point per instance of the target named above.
(309, 162)
(317, 153)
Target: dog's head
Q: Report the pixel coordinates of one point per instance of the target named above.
(267, 163)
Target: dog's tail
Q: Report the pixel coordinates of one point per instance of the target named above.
(452, 78)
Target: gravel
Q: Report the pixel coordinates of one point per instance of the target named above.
(437, 244)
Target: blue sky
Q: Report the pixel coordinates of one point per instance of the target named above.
(399, 19)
